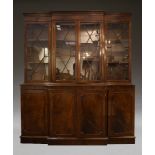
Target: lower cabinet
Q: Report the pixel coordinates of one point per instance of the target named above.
(78, 115)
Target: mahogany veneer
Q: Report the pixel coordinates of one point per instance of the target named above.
(76, 107)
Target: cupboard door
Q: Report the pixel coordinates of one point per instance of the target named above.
(91, 113)
(34, 113)
(62, 112)
(121, 113)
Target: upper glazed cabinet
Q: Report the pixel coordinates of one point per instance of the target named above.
(92, 47)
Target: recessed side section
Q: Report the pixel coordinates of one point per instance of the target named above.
(34, 113)
(121, 111)
(117, 49)
(37, 51)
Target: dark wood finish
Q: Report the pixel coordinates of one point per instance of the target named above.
(73, 109)
(34, 113)
(62, 112)
(78, 51)
(77, 112)
(122, 140)
(76, 16)
(34, 139)
(29, 22)
(91, 112)
(121, 112)
(77, 141)
(118, 18)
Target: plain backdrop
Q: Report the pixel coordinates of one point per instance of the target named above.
(20, 6)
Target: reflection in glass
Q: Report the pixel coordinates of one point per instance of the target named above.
(117, 46)
(89, 51)
(37, 52)
(65, 51)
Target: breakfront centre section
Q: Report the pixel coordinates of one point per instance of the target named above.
(77, 87)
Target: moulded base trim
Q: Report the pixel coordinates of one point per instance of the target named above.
(77, 141)
(34, 139)
(122, 140)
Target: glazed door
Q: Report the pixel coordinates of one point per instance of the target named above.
(34, 113)
(90, 51)
(65, 51)
(37, 52)
(62, 112)
(77, 52)
(91, 113)
(121, 112)
(117, 50)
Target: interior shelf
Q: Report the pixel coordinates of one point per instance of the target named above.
(38, 62)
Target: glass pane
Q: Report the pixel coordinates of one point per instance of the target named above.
(37, 52)
(65, 51)
(89, 51)
(117, 46)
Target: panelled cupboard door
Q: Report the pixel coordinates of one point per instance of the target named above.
(91, 113)
(62, 112)
(34, 113)
(121, 113)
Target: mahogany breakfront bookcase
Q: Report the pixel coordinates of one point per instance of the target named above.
(77, 87)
